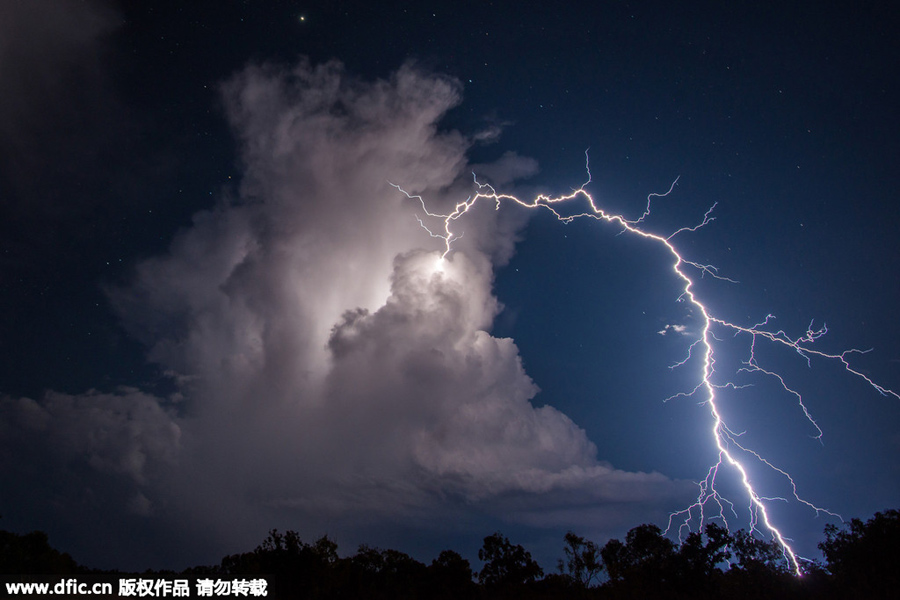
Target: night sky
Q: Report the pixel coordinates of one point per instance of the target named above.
(219, 317)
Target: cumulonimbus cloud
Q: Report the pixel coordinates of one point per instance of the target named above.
(324, 364)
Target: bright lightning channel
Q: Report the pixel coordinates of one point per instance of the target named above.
(724, 438)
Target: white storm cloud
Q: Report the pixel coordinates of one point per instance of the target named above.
(324, 363)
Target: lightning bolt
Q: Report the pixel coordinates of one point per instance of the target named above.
(727, 442)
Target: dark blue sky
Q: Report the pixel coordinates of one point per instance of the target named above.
(115, 134)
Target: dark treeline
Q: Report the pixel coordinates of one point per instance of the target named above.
(860, 561)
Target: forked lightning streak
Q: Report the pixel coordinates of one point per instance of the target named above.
(709, 503)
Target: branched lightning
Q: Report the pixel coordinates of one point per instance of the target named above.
(709, 502)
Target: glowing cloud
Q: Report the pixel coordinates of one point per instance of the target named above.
(326, 370)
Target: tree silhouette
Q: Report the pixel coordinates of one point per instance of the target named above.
(582, 563)
(451, 576)
(863, 556)
(755, 555)
(698, 560)
(506, 567)
(388, 574)
(32, 554)
(293, 568)
(861, 559)
(646, 554)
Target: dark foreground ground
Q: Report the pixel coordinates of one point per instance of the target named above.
(862, 560)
